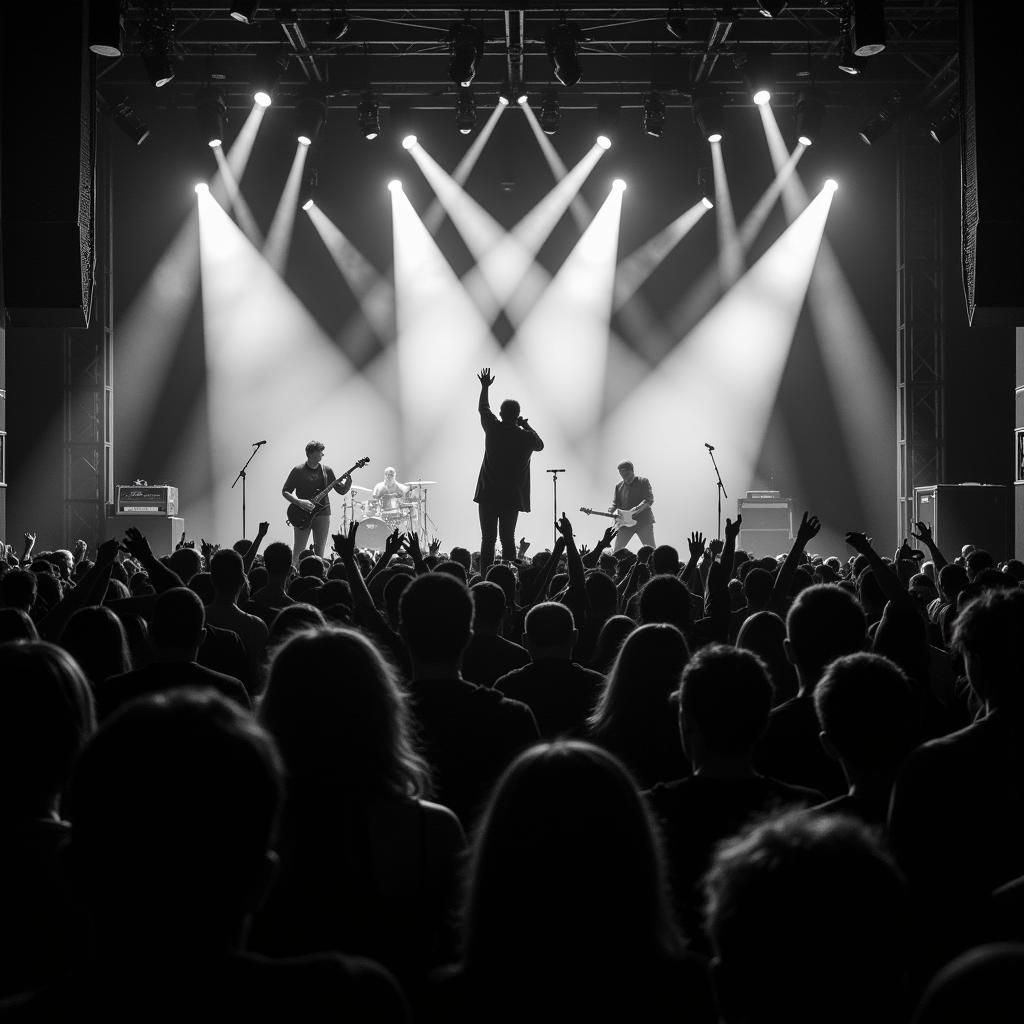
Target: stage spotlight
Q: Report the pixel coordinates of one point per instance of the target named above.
(562, 43)
(757, 73)
(604, 142)
(465, 48)
(867, 27)
(338, 25)
(270, 68)
(212, 114)
(310, 114)
(849, 63)
(126, 118)
(156, 43)
(619, 185)
(368, 116)
(307, 192)
(408, 142)
(707, 191)
(244, 11)
(106, 28)
(394, 185)
(943, 128)
(654, 115)
(810, 112)
(771, 8)
(708, 114)
(607, 122)
(550, 113)
(883, 119)
(202, 187)
(465, 111)
(831, 184)
(675, 23)
(521, 95)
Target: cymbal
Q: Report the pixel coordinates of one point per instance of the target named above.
(420, 483)
(368, 490)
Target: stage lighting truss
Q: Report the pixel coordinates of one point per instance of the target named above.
(307, 192)
(944, 127)
(156, 43)
(106, 28)
(708, 114)
(507, 95)
(867, 27)
(465, 49)
(771, 8)
(883, 119)
(654, 115)
(809, 111)
(338, 25)
(244, 11)
(126, 118)
(310, 115)
(562, 43)
(465, 111)
(675, 22)
(212, 115)
(368, 116)
(550, 113)
(757, 74)
(270, 68)
(707, 191)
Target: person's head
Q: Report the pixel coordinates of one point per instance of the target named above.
(46, 716)
(174, 808)
(315, 453)
(764, 634)
(977, 561)
(389, 475)
(505, 577)
(18, 589)
(179, 621)
(16, 624)
(984, 985)
(550, 632)
(202, 585)
(567, 839)
(989, 634)
(347, 730)
(665, 559)
(488, 607)
(96, 639)
(509, 410)
(665, 598)
(806, 916)
(601, 594)
(867, 713)
(724, 700)
(140, 585)
(626, 471)
(902, 637)
(436, 617)
(64, 560)
(393, 590)
(757, 588)
(463, 557)
(456, 569)
(293, 618)
(640, 684)
(823, 624)
(227, 573)
(610, 640)
(277, 559)
(952, 580)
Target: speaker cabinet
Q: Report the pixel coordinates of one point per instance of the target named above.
(162, 532)
(960, 514)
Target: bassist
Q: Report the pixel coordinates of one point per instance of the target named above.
(305, 482)
(634, 494)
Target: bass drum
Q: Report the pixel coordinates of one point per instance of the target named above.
(372, 532)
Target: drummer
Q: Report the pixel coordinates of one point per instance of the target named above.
(388, 493)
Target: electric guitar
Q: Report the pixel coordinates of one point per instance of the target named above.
(622, 516)
(299, 517)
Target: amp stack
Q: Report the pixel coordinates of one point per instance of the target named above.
(767, 523)
(153, 510)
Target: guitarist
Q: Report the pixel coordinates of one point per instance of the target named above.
(634, 494)
(304, 482)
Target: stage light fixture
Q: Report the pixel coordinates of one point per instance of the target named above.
(757, 73)
(156, 43)
(506, 97)
(707, 191)
(465, 48)
(619, 185)
(849, 63)
(521, 95)
(126, 118)
(368, 116)
(307, 192)
(562, 44)
(465, 111)
(771, 8)
(883, 119)
(212, 115)
(408, 141)
(675, 23)
(943, 128)
(604, 142)
(244, 11)
(201, 188)
(831, 184)
(394, 185)
(338, 25)
(607, 122)
(106, 28)
(810, 112)
(867, 27)
(708, 114)
(310, 115)
(270, 68)
(550, 113)
(654, 115)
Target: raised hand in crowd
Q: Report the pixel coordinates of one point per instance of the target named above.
(485, 378)
(30, 543)
(250, 555)
(924, 535)
(524, 546)
(136, 545)
(886, 575)
(806, 532)
(435, 546)
(79, 550)
(412, 545)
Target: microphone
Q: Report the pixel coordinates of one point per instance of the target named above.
(554, 470)
(710, 447)
(256, 444)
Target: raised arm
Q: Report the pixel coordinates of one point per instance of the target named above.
(89, 591)
(484, 405)
(160, 576)
(392, 545)
(885, 575)
(539, 585)
(250, 556)
(592, 558)
(808, 529)
(576, 598)
(924, 535)
(696, 546)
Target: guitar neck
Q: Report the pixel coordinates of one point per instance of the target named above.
(594, 512)
(327, 490)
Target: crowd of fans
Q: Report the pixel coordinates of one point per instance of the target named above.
(588, 786)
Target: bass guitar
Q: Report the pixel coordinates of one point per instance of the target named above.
(301, 518)
(622, 516)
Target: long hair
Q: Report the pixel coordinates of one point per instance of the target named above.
(566, 865)
(339, 717)
(96, 639)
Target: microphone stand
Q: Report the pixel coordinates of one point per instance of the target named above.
(241, 476)
(721, 488)
(554, 501)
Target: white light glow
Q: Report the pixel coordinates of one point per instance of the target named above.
(408, 142)
(730, 253)
(503, 100)
(395, 185)
(762, 96)
(707, 203)
(202, 187)
(715, 137)
(307, 205)
(619, 184)
(279, 237)
(604, 142)
(805, 140)
(215, 143)
(304, 140)
(831, 184)
(262, 98)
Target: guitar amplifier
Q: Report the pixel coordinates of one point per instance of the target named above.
(767, 523)
(146, 500)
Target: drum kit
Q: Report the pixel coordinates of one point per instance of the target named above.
(379, 517)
